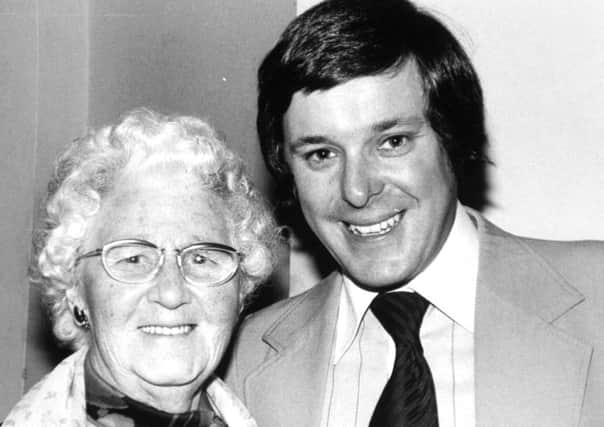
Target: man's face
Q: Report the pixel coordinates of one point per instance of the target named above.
(372, 179)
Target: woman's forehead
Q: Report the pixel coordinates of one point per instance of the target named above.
(161, 206)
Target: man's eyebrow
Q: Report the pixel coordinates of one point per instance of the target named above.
(398, 121)
(377, 127)
(307, 140)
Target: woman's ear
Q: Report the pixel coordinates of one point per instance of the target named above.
(77, 307)
(74, 297)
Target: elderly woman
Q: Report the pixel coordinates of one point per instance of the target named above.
(152, 239)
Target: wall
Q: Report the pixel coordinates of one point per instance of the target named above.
(17, 106)
(43, 104)
(200, 58)
(541, 70)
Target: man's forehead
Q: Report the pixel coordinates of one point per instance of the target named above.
(407, 67)
(372, 103)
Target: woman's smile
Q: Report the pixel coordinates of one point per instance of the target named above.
(177, 330)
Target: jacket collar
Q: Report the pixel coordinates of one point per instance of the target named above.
(527, 371)
(511, 269)
(302, 340)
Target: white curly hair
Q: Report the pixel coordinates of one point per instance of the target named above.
(84, 175)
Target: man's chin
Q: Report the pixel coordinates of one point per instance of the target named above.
(371, 280)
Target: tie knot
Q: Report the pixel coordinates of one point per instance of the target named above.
(400, 313)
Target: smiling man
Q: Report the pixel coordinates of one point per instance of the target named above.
(371, 118)
(387, 198)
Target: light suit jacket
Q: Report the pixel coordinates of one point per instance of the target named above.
(539, 340)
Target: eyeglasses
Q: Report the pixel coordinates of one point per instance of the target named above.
(139, 261)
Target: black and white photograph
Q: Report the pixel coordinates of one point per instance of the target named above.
(302, 213)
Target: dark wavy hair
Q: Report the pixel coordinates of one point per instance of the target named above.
(339, 40)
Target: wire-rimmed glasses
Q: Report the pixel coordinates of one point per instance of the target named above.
(139, 261)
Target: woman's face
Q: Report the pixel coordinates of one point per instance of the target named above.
(166, 332)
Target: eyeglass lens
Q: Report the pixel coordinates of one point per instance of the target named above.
(207, 265)
(136, 263)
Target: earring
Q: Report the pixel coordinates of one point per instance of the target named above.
(80, 317)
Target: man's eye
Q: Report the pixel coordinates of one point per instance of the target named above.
(394, 142)
(318, 156)
(396, 145)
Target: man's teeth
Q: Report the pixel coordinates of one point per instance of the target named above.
(375, 229)
(167, 330)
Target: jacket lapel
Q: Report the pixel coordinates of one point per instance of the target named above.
(296, 369)
(527, 371)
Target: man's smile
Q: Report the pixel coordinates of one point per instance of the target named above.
(376, 229)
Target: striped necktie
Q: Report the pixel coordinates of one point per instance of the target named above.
(408, 399)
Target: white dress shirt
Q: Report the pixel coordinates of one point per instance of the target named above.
(363, 354)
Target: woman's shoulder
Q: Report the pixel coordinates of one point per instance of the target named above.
(57, 399)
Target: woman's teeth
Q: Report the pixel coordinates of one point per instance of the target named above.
(167, 330)
(375, 229)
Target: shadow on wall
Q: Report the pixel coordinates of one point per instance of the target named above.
(474, 190)
(276, 287)
(48, 348)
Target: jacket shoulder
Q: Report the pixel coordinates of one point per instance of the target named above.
(580, 262)
(248, 350)
(255, 325)
(581, 265)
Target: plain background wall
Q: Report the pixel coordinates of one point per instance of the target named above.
(542, 70)
(43, 104)
(69, 64)
(187, 56)
(17, 105)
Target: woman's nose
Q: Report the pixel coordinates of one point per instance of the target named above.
(170, 289)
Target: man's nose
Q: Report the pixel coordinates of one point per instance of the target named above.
(170, 289)
(360, 182)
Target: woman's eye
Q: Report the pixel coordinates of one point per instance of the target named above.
(199, 259)
(132, 259)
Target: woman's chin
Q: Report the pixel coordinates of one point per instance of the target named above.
(171, 375)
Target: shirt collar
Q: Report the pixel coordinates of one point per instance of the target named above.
(448, 283)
